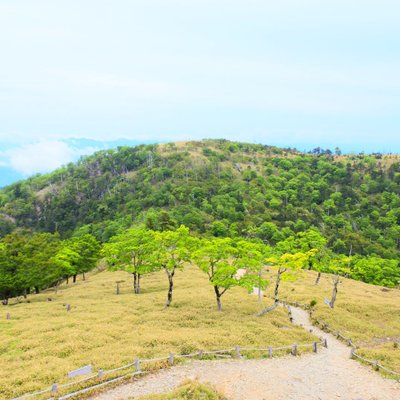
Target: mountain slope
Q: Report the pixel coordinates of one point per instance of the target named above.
(220, 187)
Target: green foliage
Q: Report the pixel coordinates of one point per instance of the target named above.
(291, 264)
(81, 253)
(376, 270)
(26, 262)
(189, 390)
(32, 260)
(223, 258)
(132, 251)
(174, 248)
(224, 189)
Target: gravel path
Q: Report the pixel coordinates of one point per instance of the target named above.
(329, 374)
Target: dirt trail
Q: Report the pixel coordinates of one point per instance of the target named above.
(329, 374)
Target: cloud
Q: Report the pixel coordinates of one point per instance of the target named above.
(42, 156)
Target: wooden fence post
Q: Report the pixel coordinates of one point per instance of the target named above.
(237, 350)
(290, 314)
(270, 352)
(100, 374)
(294, 349)
(325, 343)
(349, 342)
(351, 353)
(314, 347)
(68, 307)
(8, 316)
(137, 364)
(118, 289)
(54, 388)
(171, 358)
(201, 353)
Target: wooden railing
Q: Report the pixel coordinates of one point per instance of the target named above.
(325, 327)
(99, 378)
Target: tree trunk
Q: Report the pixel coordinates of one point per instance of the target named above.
(25, 294)
(36, 290)
(334, 292)
(267, 310)
(318, 278)
(218, 297)
(83, 276)
(67, 280)
(134, 282)
(276, 294)
(138, 284)
(74, 279)
(171, 285)
(278, 282)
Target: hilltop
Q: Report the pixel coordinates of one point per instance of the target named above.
(221, 188)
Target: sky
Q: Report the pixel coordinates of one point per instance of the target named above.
(79, 76)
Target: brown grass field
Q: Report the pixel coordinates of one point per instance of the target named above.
(42, 341)
(368, 314)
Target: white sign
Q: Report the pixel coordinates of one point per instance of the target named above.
(326, 301)
(87, 369)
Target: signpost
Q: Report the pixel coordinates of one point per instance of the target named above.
(87, 369)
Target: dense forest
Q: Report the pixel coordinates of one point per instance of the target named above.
(346, 205)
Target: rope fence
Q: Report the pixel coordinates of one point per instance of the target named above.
(325, 327)
(236, 352)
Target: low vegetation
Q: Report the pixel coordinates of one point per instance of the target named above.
(43, 341)
(191, 390)
(368, 314)
(220, 188)
(180, 227)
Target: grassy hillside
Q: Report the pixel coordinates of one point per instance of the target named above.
(42, 341)
(369, 314)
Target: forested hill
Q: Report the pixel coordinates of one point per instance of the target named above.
(221, 188)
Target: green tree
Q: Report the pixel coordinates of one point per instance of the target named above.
(217, 257)
(88, 249)
(26, 262)
(252, 257)
(132, 251)
(174, 249)
(289, 266)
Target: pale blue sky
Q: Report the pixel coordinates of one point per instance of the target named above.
(291, 73)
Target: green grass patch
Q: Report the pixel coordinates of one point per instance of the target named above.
(191, 390)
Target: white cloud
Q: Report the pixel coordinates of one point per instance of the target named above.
(42, 157)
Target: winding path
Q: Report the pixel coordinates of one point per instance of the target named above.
(329, 374)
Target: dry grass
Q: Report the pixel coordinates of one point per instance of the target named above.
(42, 341)
(369, 314)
